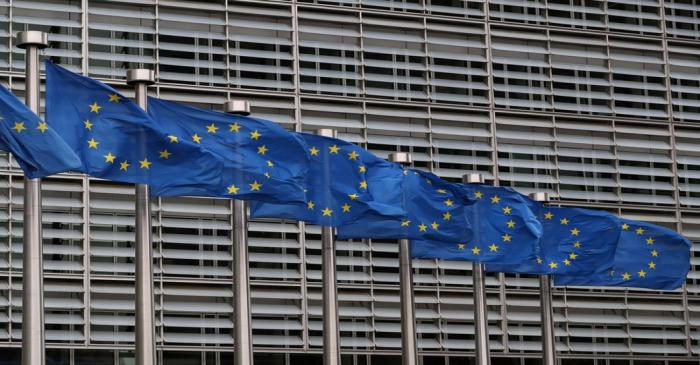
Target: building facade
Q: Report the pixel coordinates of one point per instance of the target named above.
(595, 102)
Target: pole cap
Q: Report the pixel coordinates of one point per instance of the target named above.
(327, 132)
(238, 107)
(473, 178)
(403, 158)
(32, 38)
(140, 75)
(540, 197)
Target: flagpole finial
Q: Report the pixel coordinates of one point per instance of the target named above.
(473, 178)
(403, 158)
(540, 196)
(32, 38)
(140, 75)
(327, 132)
(238, 107)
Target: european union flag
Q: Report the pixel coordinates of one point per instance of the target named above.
(432, 209)
(505, 229)
(574, 241)
(117, 140)
(38, 149)
(341, 183)
(263, 160)
(647, 256)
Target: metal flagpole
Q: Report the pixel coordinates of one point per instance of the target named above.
(549, 352)
(481, 322)
(409, 350)
(331, 327)
(33, 270)
(242, 329)
(145, 306)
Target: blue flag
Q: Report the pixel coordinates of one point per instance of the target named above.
(574, 241)
(38, 149)
(647, 256)
(505, 228)
(263, 160)
(432, 209)
(339, 188)
(116, 140)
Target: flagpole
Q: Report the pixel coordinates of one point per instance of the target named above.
(481, 321)
(242, 329)
(409, 350)
(549, 352)
(331, 327)
(145, 307)
(33, 270)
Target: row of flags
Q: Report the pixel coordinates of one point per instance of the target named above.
(182, 150)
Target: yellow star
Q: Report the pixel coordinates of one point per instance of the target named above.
(363, 185)
(626, 276)
(506, 237)
(405, 223)
(124, 165)
(353, 155)
(233, 189)
(234, 127)
(267, 175)
(255, 186)
(564, 221)
(650, 241)
(333, 149)
(173, 139)
(625, 227)
(573, 256)
(449, 202)
(493, 248)
(270, 163)
(435, 225)
(446, 216)
(212, 128)
(511, 224)
(362, 168)
(405, 172)
(652, 265)
(92, 143)
(640, 230)
(255, 135)
(87, 124)
(507, 210)
(353, 196)
(567, 262)
(310, 204)
(145, 164)
(114, 98)
(109, 157)
(548, 215)
(478, 195)
(94, 108)
(575, 232)
(42, 127)
(196, 138)
(642, 273)
(577, 244)
(475, 250)
(655, 253)
(539, 260)
(460, 246)
(553, 265)
(441, 191)
(313, 151)
(327, 212)
(346, 208)
(164, 154)
(422, 227)
(262, 149)
(495, 199)
(19, 127)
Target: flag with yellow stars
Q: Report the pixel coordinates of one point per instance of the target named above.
(264, 161)
(506, 229)
(116, 140)
(647, 256)
(39, 150)
(342, 183)
(574, 241)
(431, 209)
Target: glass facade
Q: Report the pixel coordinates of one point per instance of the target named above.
(595, 102)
